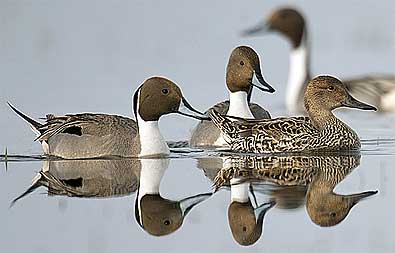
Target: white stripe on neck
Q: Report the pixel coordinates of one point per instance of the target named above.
(239, 192)
(238, 105)
(151, 140)
(151, 174)
(298, 71)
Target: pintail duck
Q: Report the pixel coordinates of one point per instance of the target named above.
(90, 135)
(157, 215)
(320, 131)
(87, 178)
(319, 173)
(245, 215)
(246, 221)
(242, 74)
(378, 90)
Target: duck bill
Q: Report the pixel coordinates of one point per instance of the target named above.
(187, 204)
(187, 110)
(355, 198)
(261, 210)
(353, 103)
(260, 28)
(259, 82)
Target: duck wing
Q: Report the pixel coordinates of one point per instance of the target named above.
(263, 136)
(87, 124)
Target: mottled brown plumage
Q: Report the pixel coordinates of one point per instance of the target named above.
(319, 173)
(321, 131)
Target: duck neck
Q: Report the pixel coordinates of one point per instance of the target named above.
(318, 116)
(239, 191)
(151, 140)
(299, 74)
(151, 174)
(238, 105)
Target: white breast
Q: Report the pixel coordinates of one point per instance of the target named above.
(297, 76)
(238, 107)
(151, 140)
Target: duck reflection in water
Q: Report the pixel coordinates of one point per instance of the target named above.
(318, 173)
(245, 216)
(114, 178)
(156, 215)
(87, 178)
(245, 220)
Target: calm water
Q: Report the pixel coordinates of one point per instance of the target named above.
(60, 57)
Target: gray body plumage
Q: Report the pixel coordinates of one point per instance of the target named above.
(87, 178)
(90, 135)
(371, 89)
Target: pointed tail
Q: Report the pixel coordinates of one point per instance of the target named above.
(224, 124)
(34, 125)
(35, 184)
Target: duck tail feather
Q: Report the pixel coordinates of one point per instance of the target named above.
(224, 124)
(35, 184)
(34, 125)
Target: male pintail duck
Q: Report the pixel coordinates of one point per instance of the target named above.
(90, 135)
(92, 178)
(243, 67)
(157, 215)
(246, 221)
(378, 90)
(321, 130)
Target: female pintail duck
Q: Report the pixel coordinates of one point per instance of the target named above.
(320, 174)
(243, 67)
(321, 130)
(101, 135)
(378, 90)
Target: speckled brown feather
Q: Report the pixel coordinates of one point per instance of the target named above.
(206, 133)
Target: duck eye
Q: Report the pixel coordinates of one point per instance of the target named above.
(165, 91)
(166, 222)
(241, 63)
(331, 88)
(333, 215)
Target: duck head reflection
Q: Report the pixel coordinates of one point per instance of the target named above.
(325, 207)
(318, 174)
(246, 222)
(156, 215)
(246, 219)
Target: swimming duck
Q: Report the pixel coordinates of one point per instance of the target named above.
(243, 67)
(378, 90)
(321, 130)
(89, 135)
